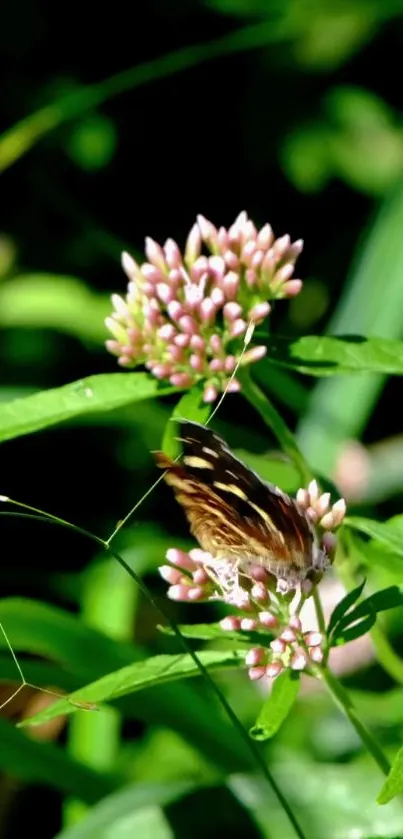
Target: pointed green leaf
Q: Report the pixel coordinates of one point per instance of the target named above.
(390, 533)
(317, 355)
(277, 706)
(86, 396)
(393, 785)
(213, 631)
(361, 627)
(343, 606)
(157, 670)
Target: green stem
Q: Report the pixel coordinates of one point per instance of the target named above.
(40, 515)
(319, 611)
(274, 420)
(343, 701)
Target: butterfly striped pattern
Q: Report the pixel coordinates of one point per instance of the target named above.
(235, 515)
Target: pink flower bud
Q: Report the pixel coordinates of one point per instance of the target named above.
(295, 249)
(339, 510)
(165, 292)
(231, 260)
(249, 624)
(313, 639)
(166, 332)
(175, 353)
(299, 660)
(197, 343)
(327, 521)
(130, 267)
(188, 324)
(200, 577)
(256, 673)
(231, 623)
(316, 654)
(255, 656)
(175, 310)
(180, 558)
(322, 504)
(207, 231)
(232, 386)
(217, 296)
(151, 274)
(278, 646)
(222, 239)
(173, 255)
(155, 254)
(161, 371)
(295, 623)
(113, 347)
(216, 365)
(178, 592)
(116, 329)
(125, 361)
(207, 310)
(199, 556)
(193, 245)
(259, 592)
(265, 237)
(169, 574)
(251, 277)
(268, 620)
(194, 293)
(217, 268)
(210, 393)
(257, 260)
(281, 245)
(230, 285)
(230, 363)
(232, 311)
(259, 312)
(216, 344)
(303, 498)
(238, 327)
(306, 587)
(182, 341)
(196, 362)
(195, 593)
(200, 269)
(288, 635)
(314, 492)
(248, 251)
(253, 355)
(274, 669)
(181, 380)
(292, 288)
(329, 543)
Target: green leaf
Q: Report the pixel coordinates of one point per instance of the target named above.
(157, 670)
(213, 631)
(393, 785)
(343, 606)
(86, 396)
(343, 636)
(277, 706)
(325, 355)
(38, 762)
(390, 533)
(191, 407)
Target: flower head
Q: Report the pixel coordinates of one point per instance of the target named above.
(185, 317)
(257, 597)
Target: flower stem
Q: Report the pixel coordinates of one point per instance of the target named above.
(319, 611)
(343, 701)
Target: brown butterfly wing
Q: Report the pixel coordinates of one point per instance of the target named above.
(231, 511)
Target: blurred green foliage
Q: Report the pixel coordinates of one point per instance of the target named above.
(113, 130)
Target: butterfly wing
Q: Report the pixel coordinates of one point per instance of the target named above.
(231, 511)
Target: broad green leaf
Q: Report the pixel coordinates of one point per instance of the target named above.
(213, 632)
(343, 606)
(390, 534)
(380, 601)
(37, 762)
(326, 355)
(393, 785)
(86, 396)
(191, 407)
(86, 654)
(277, 706)
(157, 670)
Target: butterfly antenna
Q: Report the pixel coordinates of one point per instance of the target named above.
(248, 337)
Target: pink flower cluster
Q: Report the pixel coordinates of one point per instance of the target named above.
(186, 317)
(196, 576)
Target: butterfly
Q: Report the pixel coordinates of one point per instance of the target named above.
(237, 516)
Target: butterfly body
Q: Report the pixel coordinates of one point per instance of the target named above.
(234, 514)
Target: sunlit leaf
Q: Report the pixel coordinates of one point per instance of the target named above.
(213, 632)
(86, 396)
(393, 785)
(157, 670)
(356, 630)
(277, 706)
(330, 355)
(388, 533)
